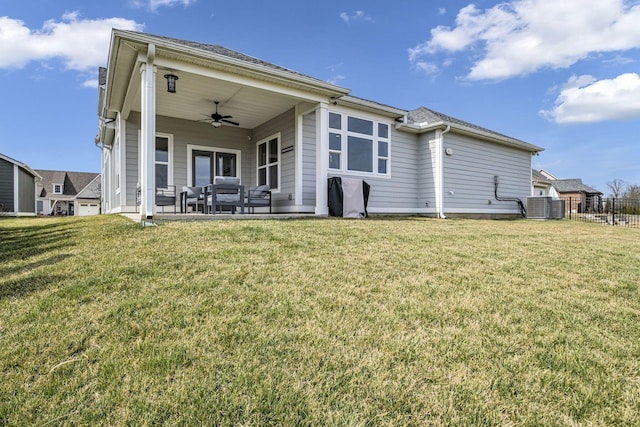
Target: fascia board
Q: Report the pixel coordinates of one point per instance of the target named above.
(21, 165)
(371, 106)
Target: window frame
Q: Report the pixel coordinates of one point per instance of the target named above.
(60, 188)
(374, 137)
(169, 162)
(116, 163)
(268, 164)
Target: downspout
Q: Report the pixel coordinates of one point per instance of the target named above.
(440, 172)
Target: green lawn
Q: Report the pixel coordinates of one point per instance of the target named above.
(386, 321)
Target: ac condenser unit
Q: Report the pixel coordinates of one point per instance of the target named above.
(539, 207)
(557, 209)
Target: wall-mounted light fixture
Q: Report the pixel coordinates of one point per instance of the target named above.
(171, 82)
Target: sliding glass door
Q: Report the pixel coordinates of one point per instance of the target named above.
(208, 164)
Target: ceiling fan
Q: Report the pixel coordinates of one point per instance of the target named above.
(217, 119)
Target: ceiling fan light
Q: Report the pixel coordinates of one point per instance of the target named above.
(216, 124)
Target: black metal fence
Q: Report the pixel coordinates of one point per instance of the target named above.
(620, 212)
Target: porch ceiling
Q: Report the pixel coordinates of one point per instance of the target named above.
(195, 95)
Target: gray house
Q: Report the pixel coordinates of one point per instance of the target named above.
(17, 188)
(176, 113)
(68, 193)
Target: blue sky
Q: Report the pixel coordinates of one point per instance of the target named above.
(564, 75)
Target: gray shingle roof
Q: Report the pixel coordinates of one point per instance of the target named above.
(221, 50)
(425, 115)
(573, 185)
(73, 182)
(537, 176)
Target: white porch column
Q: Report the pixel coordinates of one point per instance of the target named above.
(322, 158)
(148, 135)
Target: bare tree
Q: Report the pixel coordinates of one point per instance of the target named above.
(632, 192)
(617, 187)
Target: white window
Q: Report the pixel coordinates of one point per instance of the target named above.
(163, 161)
(57, 188)
(116, 163)
(358, 145)
(268, 162)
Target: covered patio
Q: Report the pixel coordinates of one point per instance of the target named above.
(174, 114)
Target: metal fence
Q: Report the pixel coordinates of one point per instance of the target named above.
(620, 212)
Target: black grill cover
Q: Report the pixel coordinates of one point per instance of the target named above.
(355, 203)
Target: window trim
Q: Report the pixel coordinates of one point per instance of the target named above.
(116, 163)
(169, 161)
(266, 140)
(375, 139)
(214, 150)
(61, 188)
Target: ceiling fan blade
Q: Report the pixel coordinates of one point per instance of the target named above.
(230, 122)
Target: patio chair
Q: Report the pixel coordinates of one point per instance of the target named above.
(166, 197)
(191, 196)
(259, 196)
(225, 192)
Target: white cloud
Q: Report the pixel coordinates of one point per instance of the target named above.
(442, 11)
(153, 5)
(429, 68)
(358, 15)
(335, 80)
(583, 99)
(20, 45)
(522, 36)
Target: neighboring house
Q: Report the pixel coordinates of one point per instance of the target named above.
(579, 198)
(542, 184)
(291, 132)
(68, 193)
(17, 188)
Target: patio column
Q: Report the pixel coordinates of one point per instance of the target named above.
(322, 159)
(148, 135)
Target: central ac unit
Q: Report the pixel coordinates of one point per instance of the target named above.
(544, 207)
(557, 209)
(538, 207)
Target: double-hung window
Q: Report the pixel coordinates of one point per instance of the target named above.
(268, 163)
(358, 145)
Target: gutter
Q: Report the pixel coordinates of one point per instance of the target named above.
(440, 172)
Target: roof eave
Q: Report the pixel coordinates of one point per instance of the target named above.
(426, 127)
(21, 165)
(371, 106)
(307, 82)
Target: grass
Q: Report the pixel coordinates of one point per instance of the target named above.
(384, 321)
